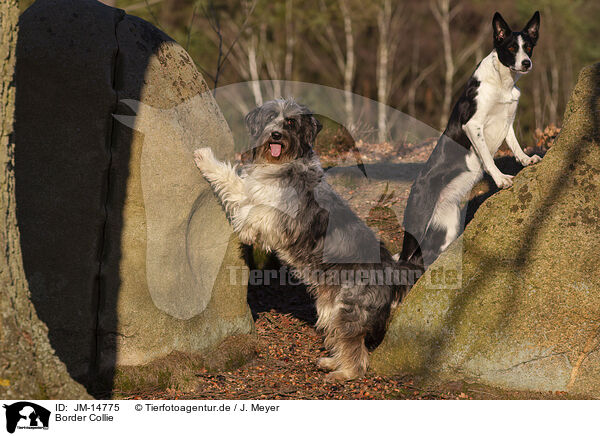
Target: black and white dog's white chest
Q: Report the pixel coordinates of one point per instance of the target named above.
(494, 103)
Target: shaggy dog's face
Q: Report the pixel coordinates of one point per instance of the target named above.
(281, 131)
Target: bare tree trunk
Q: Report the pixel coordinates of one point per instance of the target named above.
(568, 76)
(244, 58)
(411, 93)
(552, 88)
(384, 18)
(274, 74)
(546, 93)
(390, 22)
(442, 14)
(554, 95)
(290, 42)
(28, 366)
(349, 68)
(344, 59)
(253, 69)
(537, 105)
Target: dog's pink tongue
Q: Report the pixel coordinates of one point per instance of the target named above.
(275, 149)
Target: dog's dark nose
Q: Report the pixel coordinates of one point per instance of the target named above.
(526, 64)
(275, 135)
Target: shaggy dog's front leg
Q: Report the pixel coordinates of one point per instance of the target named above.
(223, 178)
(230, 189)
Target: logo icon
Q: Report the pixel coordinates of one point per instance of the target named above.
(26, 415)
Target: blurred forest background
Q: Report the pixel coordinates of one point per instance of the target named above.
(413, 55)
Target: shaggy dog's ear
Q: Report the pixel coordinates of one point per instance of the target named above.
(253, 123)
(310, 128)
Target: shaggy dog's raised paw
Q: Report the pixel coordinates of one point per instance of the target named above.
(202, 156)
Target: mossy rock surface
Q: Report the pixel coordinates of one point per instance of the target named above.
(179, 371)
(525, 310)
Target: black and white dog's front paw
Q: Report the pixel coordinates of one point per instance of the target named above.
(503, 180)
(530, 160)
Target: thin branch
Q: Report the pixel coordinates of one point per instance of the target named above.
(455, 11)
(469, 50)
(243, 27)
(189, 33)
(332, 41)
(140, 5)
(149, 9)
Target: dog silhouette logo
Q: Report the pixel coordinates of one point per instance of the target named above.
(26, 415)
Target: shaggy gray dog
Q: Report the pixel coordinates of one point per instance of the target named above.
(280, 200)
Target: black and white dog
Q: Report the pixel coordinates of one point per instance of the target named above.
(279, 199)
(480, 121)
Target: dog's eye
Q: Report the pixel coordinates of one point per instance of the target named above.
(512, 49)
(291, 123)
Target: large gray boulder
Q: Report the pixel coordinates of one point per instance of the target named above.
(522, 308)
(128, 253)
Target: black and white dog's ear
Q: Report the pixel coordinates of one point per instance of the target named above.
(253, 122)
(532, 28)
(501, 28)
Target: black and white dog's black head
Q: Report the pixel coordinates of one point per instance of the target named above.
(515, 48)
(281, 130)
